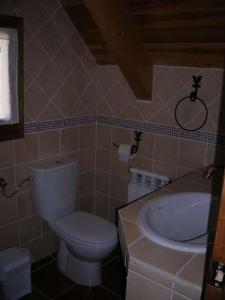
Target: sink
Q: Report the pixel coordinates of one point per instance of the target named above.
(177, 220)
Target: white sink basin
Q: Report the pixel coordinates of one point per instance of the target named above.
(177, 220)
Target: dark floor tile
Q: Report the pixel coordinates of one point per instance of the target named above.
(114, 277)
(41, 263)
(85, 293)
(35, 295)
(50, 281)
(54, 255)
(114, 254)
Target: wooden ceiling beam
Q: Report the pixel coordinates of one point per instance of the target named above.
(116, 27)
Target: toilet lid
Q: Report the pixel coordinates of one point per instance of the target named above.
(87, 228)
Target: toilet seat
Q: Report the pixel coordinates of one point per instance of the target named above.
(86, 228)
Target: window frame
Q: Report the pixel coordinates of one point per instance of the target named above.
(16, 130)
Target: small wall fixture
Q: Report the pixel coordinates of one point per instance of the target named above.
(134, 147)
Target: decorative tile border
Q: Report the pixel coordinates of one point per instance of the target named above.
(200, 136)
(59, 124)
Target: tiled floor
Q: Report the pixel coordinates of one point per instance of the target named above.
(48, 283)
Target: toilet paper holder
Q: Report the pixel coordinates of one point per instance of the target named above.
(134, 147)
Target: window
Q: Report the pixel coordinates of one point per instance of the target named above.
(8, 76)
(11, 78)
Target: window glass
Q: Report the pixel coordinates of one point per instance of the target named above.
(8, 76)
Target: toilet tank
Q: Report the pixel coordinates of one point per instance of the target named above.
(54, 186)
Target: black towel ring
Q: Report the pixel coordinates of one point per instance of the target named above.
(193, 97)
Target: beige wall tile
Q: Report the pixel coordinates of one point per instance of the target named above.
(30, 228)
(131, 112)
(166, 169)
(103, 80)
(183, 171)
(79, 79)
(192, 154)
(114, 206)
(101, 204)
(166, 149)
(141, 163)
(86, 202)
(35, 248)
(86, 182)
(102, 159)
(6, 154)
(118, 168)
(50, 243)
(69, 140)
(87, 160)
(66, 59)
(90, 63)
(9, 236)
(90, 98)
(117, 99)
(210, 154)
(146, 145)
(50, 37)
(78, 44)
(138, 287)
(102, 182)
(65, 99)
(34, 57)
(45, 227)
(34, 101)
(8, 211)
(48, 144)
(104, 136)
(87, 136)
(26, 149)
(9, 175)
(121, 136)
(61, 18)
(22, 172)
(186, 187)
(119, 188)
(103, 108)
(50, 113)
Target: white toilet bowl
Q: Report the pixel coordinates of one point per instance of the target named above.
(85, 240)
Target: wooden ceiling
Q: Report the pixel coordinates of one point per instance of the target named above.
(171, 32)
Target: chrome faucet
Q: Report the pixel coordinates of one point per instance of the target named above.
(210, 170)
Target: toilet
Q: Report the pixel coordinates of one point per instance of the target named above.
(85, 239)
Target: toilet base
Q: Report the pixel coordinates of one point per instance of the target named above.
(82, 272)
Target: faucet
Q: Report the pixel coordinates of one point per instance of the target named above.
(210, 170)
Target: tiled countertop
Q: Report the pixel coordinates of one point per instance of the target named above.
(180, 271)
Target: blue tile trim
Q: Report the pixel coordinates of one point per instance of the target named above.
(59, 124)
(200, 136)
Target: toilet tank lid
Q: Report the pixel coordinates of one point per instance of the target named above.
(87, 228)
(52, 164)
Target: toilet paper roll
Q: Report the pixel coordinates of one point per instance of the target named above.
(124, 152)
